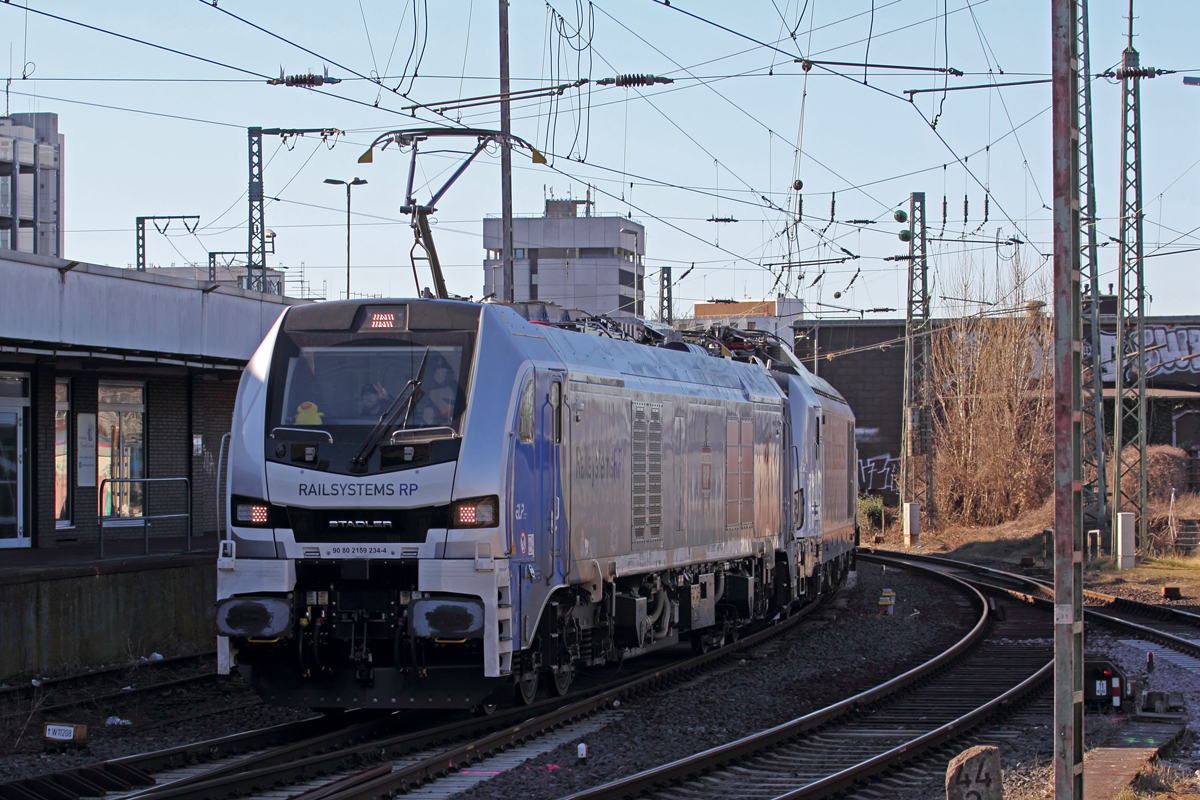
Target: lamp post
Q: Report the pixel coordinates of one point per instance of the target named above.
(348, 185)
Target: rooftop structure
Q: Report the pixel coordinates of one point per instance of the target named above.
(591, 262)
(774, 315)
(31, 184)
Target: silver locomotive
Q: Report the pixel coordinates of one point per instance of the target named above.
(437, 504)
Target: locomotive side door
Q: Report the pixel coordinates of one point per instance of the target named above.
(816, 486)
(536, 524)
(553, 430)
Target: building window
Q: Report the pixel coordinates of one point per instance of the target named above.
(625, 277)
(640, 281)
(62, 453)
(14, 405)
(627, 304)
(640, 310)
(121, 447)
(518, 252)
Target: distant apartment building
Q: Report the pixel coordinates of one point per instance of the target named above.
(591, 262)
(774, 315)
(31, 184)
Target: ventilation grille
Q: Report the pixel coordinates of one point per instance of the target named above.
(647, 471)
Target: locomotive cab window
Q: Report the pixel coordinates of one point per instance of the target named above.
(525, 425)
(347, 382)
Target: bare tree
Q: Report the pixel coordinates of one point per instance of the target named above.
(993, 443)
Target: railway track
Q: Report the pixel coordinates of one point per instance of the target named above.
(1170, 627)
(99, 685)
(881, 731)
(999, 662)
(186, 763)
(325, 758)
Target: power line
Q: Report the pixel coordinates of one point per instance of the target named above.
(129, 110)
(210, 61)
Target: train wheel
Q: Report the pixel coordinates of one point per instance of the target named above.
(700, 644)
(557, 683)
(485, 709)
(527, 687)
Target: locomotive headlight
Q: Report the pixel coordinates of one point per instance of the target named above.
(476, 512)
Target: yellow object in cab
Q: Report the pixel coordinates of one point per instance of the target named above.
(307, 414)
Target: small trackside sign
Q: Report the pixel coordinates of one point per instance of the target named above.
(60, 732)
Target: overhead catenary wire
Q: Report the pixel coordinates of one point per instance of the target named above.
(718, 194)
(205, 60)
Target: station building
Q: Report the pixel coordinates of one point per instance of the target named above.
(592, 262)
(107, 374)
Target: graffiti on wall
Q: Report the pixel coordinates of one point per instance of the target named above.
(1174, 343)
(878, 474)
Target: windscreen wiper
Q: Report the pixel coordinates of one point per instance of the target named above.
(388, 418)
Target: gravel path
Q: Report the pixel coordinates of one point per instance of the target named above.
(846, 650)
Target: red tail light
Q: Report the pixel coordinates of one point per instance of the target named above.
(476, 512)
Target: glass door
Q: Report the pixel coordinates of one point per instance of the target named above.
(12, 484)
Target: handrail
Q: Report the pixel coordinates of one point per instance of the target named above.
(300, 430)
(146, 518)
(220, 461)
(421, 435)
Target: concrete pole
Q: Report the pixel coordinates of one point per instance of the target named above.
(506, 211)
(1068, 473)
(347, 240)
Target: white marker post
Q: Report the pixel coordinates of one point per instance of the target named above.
(1126, 533)
(912, 524)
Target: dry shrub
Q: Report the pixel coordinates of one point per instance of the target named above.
(993, 427)
(1166, 469)
(1160, 779)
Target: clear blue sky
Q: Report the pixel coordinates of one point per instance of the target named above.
(712, 144)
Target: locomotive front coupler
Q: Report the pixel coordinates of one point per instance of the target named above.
(360, 654)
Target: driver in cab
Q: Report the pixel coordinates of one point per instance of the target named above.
(441, 392)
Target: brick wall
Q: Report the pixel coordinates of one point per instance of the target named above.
(872, 381)
(168, 443)
(212, 413)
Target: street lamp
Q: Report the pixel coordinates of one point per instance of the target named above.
(348, 185)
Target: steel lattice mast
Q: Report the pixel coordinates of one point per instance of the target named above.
(1095, 494)
(916, 458)
(1129, 426)
(257, 247)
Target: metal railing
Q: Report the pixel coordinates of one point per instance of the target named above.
(145, 518)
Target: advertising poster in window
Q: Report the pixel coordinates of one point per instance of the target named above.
(85, 449)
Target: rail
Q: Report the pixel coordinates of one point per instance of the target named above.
(677, 772)
(145, 518)
(1043, 593)
(468, 741)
